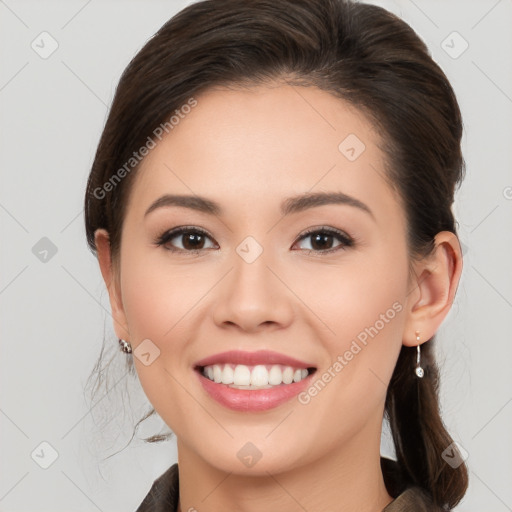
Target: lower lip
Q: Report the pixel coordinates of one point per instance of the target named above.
(252, 399)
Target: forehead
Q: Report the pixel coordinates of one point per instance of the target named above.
(247, 147)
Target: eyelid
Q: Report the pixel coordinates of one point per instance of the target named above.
(347, 240)
(169, 234)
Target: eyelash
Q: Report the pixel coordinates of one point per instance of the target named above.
(346, 240)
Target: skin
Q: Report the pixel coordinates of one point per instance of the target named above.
(248, 150)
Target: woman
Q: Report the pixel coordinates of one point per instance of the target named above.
(270, 204)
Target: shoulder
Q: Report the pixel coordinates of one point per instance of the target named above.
(164, 493)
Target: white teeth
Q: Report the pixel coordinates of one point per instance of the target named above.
(242, 375)
(275, 376)
(288, 375)
(217, 373)
(254, 377)
(259, 376)
(227, 375)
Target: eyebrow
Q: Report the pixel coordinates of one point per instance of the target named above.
(290, 205)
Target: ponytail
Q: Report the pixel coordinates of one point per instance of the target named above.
(419, 434)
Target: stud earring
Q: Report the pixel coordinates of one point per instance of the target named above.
(419, 370)
(125, 346)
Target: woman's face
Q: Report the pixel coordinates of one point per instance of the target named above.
(258, 282)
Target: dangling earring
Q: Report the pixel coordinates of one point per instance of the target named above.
(419, 370)
(125, 346)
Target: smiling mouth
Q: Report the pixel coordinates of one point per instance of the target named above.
(260, 376)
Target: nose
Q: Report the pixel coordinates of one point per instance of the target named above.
(253, 297)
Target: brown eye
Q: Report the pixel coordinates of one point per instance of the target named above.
(322, 240)
(190, 239)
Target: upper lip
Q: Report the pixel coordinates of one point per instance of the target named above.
(252, 358)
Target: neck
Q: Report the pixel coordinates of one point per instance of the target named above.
(349, 480)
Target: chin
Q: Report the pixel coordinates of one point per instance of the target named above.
(246, 459)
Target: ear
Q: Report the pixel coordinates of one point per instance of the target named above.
(102, 242)
(433, 289)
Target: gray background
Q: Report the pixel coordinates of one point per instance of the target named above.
(54, 307)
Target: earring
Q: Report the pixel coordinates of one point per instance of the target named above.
(125, 346)
(419, 370)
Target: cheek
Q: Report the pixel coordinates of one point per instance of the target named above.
(361, 303)
(160, 302)
(353, 294)
(367, 316)
(157, 295)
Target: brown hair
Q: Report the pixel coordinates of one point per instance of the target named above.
(360, 53)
